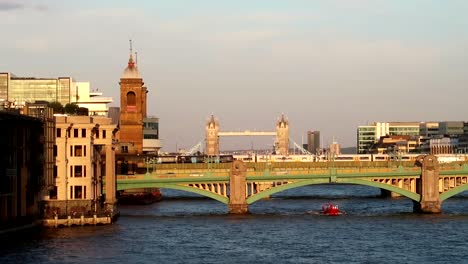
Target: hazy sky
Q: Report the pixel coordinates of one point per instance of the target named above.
(327, 65)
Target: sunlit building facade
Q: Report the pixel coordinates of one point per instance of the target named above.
(21, 90)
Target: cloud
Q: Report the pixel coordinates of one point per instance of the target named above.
(11, 5)
(7, 6)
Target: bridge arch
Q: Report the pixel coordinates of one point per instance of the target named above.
(445, 195)
(413, 196)
(214, 196)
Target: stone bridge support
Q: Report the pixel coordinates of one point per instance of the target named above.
(428, 186)
(237, 189)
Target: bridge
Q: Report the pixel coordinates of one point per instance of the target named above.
(213, 134)
(426, 182)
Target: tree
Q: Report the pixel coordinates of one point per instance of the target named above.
(57, 106)
(71, 108)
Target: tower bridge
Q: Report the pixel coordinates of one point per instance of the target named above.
(237, 184)
(213, 134)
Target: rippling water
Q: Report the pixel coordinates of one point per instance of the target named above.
(286, 228)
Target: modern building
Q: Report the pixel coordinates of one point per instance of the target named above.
(334, 149)
(428, 129)
(313, 141)
(84, 159)
(21, 90)
(370, 134)
(151, 142)
(451, 128)
(91, 99)
(30, 89)
(395, 144)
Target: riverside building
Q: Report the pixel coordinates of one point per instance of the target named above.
(84, 159)
(21, 90)
(445, 137)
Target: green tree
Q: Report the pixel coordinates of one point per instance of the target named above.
(71, 108)
(57, 106)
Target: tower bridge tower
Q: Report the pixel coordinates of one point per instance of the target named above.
(282, 136)
(212, 137)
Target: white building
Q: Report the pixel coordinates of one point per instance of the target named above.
(91, 99)
(84, 159)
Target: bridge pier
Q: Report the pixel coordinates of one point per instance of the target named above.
(237, 189)
(428, 186)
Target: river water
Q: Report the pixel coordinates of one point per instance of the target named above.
(287, 228)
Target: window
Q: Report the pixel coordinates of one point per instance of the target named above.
(131, 102)
(97, 133)
(83, 132)
(55, 150)
(78, 151)
(59, 132)
(53, 193)
(103, 134)
(78, 172)
(124, 149)
(55, 171)
(75, 132)
(78, 191)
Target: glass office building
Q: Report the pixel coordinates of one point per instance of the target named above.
(30, 89)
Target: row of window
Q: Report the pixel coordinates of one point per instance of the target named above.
(76, 192)
(76, 133)
(78, 151)
(76, 171)
(75, 151)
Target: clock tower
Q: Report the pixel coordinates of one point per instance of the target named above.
(133, 95)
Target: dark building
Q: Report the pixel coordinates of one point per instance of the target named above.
(21, 167)
(313, 141)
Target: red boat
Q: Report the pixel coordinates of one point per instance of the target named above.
(330, 209)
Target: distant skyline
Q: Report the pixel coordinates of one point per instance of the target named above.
(327, 65)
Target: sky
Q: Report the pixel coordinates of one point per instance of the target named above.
(326, 65)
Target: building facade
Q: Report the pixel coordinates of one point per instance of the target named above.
(313, 141)
(21, 167)
(84, 160)
(370, 134)
(21, 90)
(444, 137)
(151, 142)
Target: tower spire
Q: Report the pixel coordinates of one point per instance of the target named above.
(131, 64)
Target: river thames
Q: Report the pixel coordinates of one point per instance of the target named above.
(287, 228)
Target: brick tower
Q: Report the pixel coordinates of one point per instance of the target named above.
(132, 109)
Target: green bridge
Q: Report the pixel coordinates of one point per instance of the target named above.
(239, 184)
